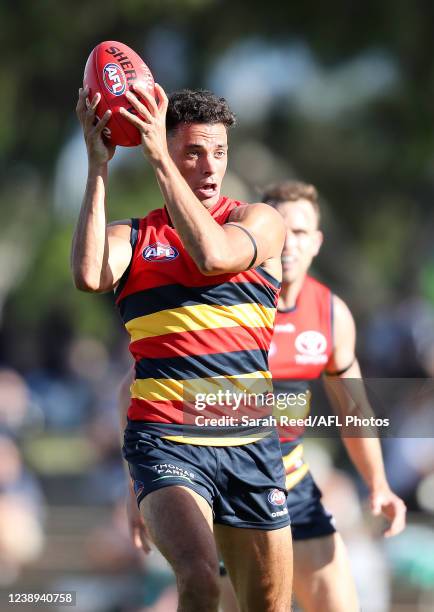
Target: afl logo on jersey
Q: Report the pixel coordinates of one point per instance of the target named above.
(159, 252)
(311, 346)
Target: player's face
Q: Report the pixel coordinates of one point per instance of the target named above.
(303, 238)
(200, 152)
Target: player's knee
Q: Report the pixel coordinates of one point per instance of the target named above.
(199, 584)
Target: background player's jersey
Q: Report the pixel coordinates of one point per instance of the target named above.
(189, 332)
(303, 335)
(301, 347)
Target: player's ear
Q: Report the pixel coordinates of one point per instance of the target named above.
(319, 237)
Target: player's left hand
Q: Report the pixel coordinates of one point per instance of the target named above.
(391, 506)
(138, 531)
(150, 120)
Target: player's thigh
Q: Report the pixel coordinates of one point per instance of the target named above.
(179, 521)
(259, 563)
(322, 575)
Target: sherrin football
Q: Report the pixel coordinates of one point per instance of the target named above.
(111, 69)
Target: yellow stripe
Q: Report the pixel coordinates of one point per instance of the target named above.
(198, 317)
(295, 477)
(169, 389)
(293, 456)
(213, 441)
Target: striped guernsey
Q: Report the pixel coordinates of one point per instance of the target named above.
(189, 332)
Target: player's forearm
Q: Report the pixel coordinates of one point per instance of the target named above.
(348, 397)
(89, 252)
(203, 238)
(367, 457)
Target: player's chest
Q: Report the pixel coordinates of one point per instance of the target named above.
(161, 257)
(301, 345)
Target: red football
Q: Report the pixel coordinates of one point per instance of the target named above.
(111, 69)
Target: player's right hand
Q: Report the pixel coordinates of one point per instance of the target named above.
(98, 151)
(136, 523)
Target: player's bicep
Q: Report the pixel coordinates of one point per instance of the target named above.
(255, 235)
(119, 254)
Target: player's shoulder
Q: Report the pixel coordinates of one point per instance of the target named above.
(257, 211)
(157, 216)
(120, 228)
(341, 311)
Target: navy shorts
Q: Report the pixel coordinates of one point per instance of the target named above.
(244, 485)
(309, 518)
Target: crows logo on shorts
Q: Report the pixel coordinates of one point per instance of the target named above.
(277, 497)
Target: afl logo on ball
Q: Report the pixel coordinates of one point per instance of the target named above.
(159, 252)
(310, 343)
(277, 497)
(114, 79)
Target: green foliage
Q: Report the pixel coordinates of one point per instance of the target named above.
(48, 284)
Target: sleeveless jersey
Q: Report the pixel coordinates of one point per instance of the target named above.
(188, 330)
(302, 343)
(301, 347)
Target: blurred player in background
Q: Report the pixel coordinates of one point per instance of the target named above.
(314, 335)
(196, 283)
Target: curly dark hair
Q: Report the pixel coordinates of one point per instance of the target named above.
(197, 106)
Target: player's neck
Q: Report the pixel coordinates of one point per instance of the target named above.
(290, 292)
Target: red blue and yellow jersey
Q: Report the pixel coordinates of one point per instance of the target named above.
(189, 330)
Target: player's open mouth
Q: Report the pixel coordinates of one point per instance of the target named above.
(208, 190)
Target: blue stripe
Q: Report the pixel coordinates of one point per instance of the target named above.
(260, 270)
(134, 233)
(235, 363)
(168, 297)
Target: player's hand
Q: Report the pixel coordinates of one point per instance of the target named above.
(150, 120)
(391, 506)
(98, 151)
(136, 523)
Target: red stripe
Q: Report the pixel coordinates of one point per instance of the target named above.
(186, 274)
(171, 412)
(175, 412)
(202, 342)
(289, 434)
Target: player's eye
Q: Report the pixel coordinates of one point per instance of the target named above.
(220, 153)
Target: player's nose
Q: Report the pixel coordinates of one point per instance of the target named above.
(209, 164)
(290, 241)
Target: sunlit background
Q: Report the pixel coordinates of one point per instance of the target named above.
(338, 94)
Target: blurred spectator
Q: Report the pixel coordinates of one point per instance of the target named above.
(21, 537)
(15, 405)
(21, 534)
(15, 480)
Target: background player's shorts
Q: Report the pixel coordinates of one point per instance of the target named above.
(309, 518)
(244, 485)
